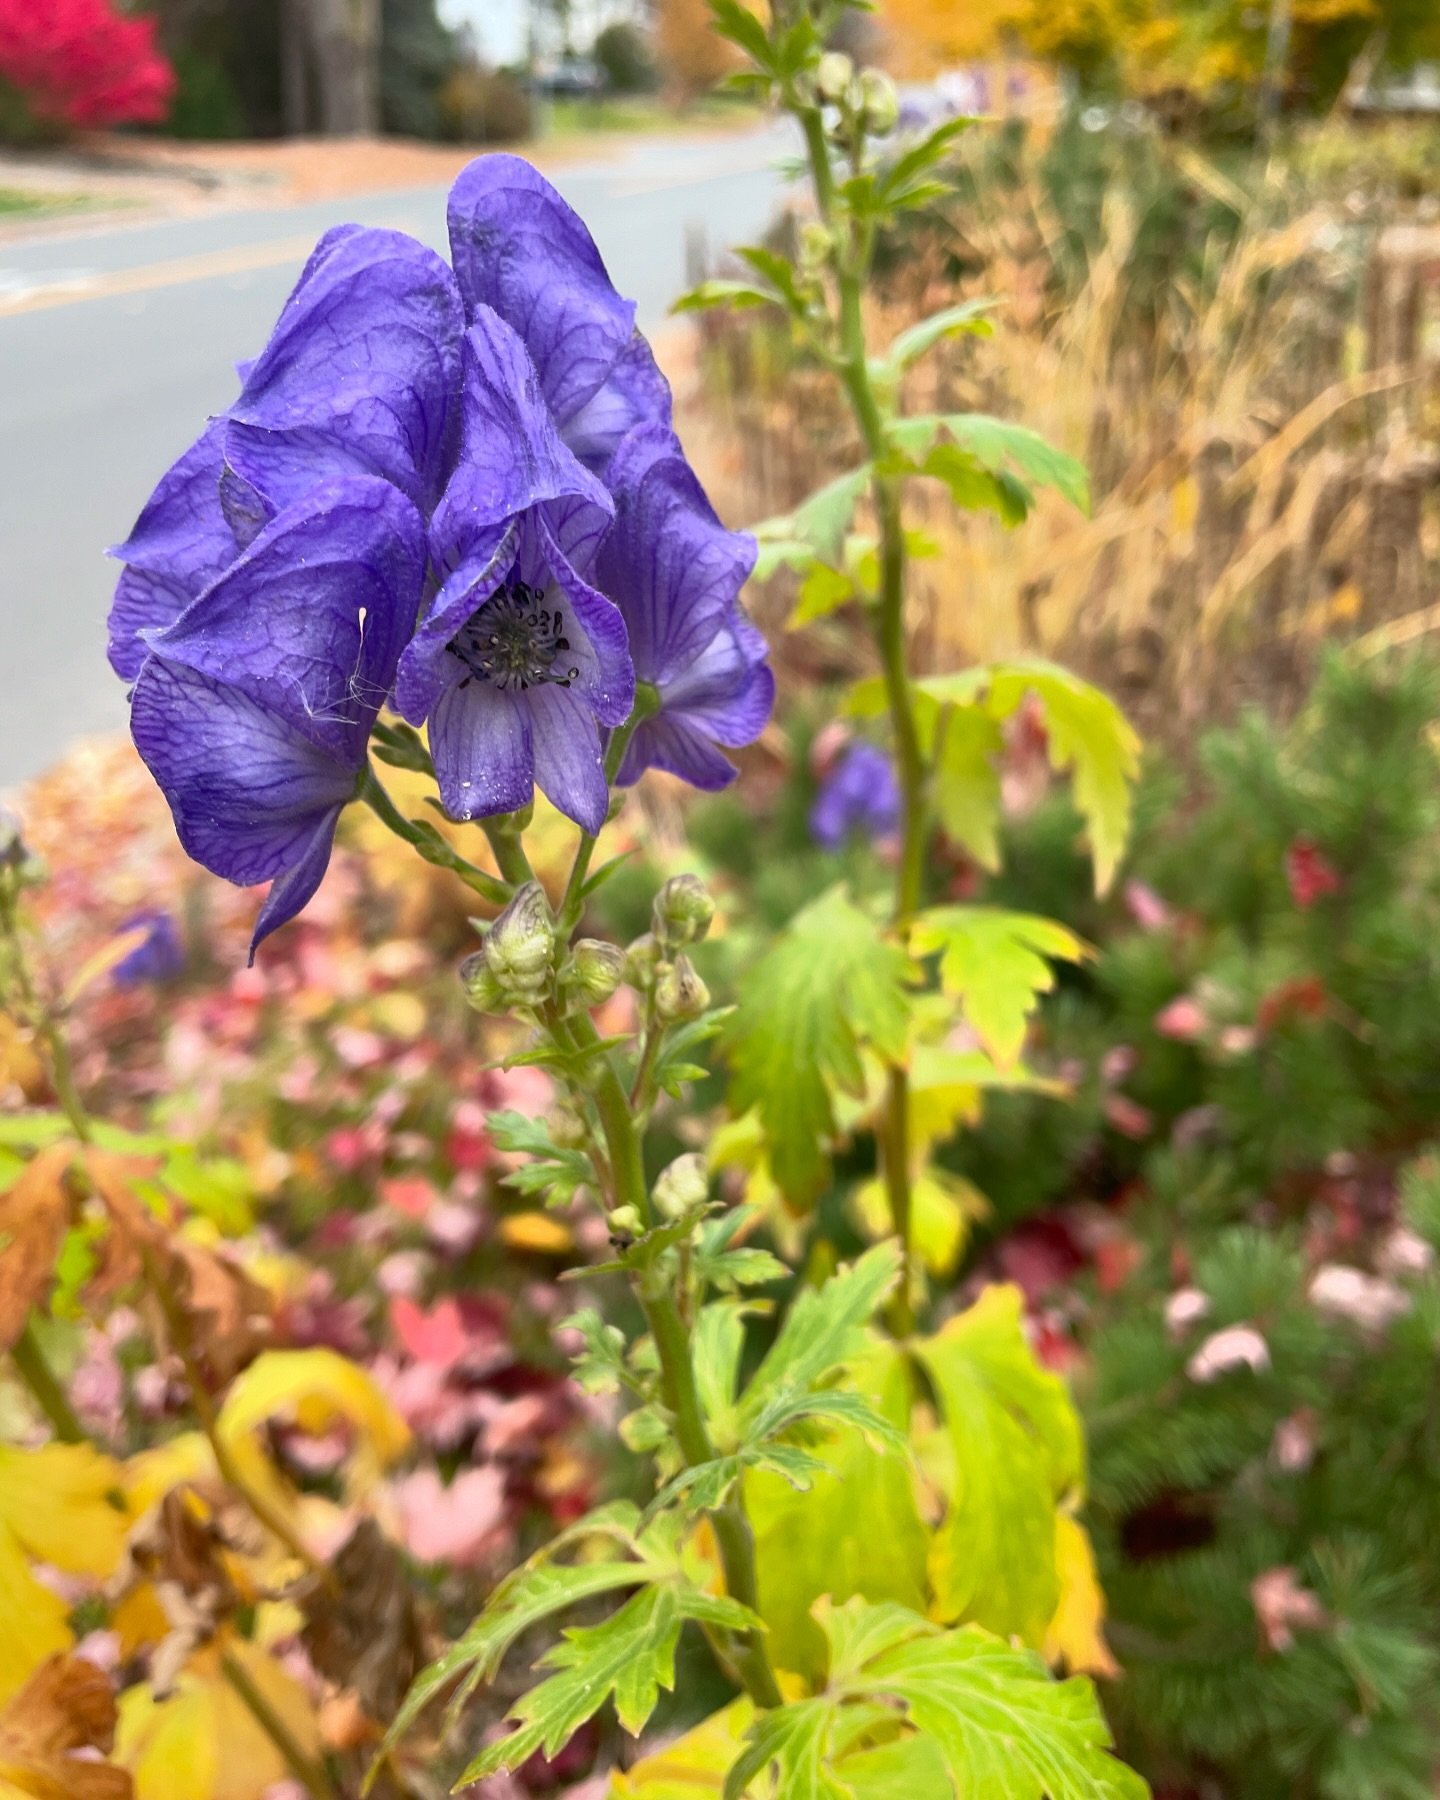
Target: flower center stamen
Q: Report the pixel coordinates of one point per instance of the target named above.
(512, 641)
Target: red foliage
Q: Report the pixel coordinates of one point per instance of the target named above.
(78, 63)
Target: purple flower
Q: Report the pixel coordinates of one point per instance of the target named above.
(158, 955)
(676, 574)
(519, 661)
(254, 708)
(859, 795)
(360, 376)
(519, 250)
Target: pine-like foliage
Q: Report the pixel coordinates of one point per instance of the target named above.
(1244, 1186)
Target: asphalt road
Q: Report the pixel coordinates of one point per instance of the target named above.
(116, 344)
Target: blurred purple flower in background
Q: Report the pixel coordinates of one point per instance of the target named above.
(157, 956)
(858, 796)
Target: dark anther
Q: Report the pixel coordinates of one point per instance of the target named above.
(513, 640)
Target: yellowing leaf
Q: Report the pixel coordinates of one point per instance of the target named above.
(202, 1742)
(56, 1501)
(33, 1621)
(312, 1389)
(66, 1706)
(537, 1233)
(942, 1208)
(1013, 1449)
(183, 1461)
(806, 1544)
(1088, 736)
(694, 1766)
(1076, 1636)
(993, 963)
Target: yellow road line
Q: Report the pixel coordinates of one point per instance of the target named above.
(205, 267)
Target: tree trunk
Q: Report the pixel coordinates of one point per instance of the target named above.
(294, 81)
(344, 44)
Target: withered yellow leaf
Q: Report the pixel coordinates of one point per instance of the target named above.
(65, 1706)
(536, 1232)
(34, 1216)
(1076, 1635)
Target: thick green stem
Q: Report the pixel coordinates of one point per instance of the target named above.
(431, 846)
(45, 1390)
(572, 905)
(307, 1770)
(852, 267)
(509, 853)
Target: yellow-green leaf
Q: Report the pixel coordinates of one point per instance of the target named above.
(994, 963)
(1012, 1448)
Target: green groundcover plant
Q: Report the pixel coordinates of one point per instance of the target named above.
(448, 497)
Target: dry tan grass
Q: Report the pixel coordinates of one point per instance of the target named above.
(1263, 453)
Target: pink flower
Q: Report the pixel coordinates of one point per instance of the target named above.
(1369, 1301)
(1146, 908)
(1283, 1607)
(463, 1524)
(1185, 1308)
(1236, 1347)
(1404, 1252)
(1183, 1019)
(1292, 1449)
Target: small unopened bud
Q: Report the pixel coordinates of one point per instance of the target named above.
(817, 244)
(593, 973)
(683, 911)
(876, 102)
(682, 1186)
(642, 959)
(520, 945)
(624, 1221)
(481, 988)
(680, 994)
(832, 76)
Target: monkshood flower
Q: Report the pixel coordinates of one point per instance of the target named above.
(361, 376)
(158, 954)
(676, 574)
(519, 661)
(520, 251)
(254, 708)
(858, 796)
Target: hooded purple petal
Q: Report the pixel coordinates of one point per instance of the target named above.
(859, 795)
(669, 564)
(180, 543)
(724, 699)
(309, 623)
(359, 376)
(253, 798)
(519, 249)
(633, 393)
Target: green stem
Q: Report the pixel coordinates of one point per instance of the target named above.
(45, 1389)
(307, 1770)
(430, 845)
(572, 904)
(852, 266)
(509, 853)
(733, 1536)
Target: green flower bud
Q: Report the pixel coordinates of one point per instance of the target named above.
(680, 994)
(877, 102)
(642, 959)
(520, 946)
(593, 973)
(481, 988)
(682, 1186)
(683, 911)
(832, 76)
(625, 1221)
